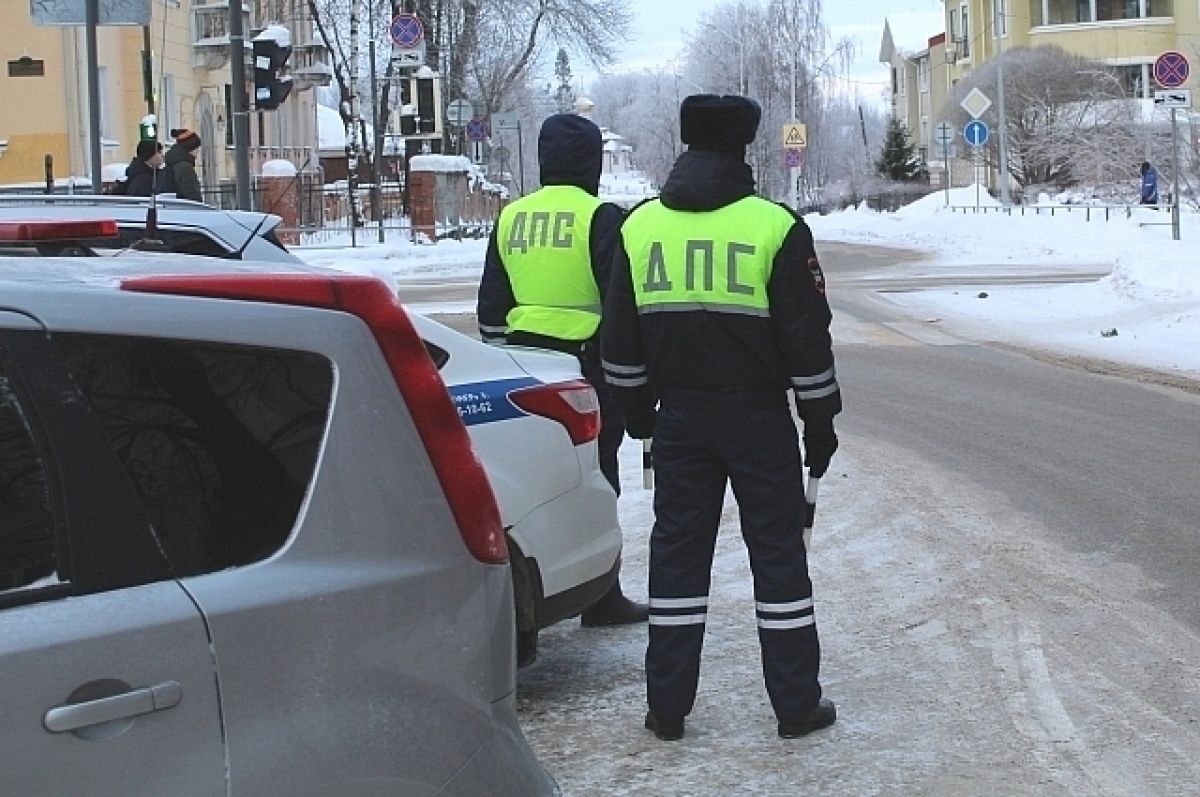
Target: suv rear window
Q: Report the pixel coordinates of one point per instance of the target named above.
(28, 554)
(219, 441)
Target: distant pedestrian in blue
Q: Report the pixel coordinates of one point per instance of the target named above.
(1149, 184)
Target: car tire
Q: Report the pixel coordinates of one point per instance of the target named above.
(525, 601)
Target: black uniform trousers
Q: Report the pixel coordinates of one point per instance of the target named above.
(752, 444)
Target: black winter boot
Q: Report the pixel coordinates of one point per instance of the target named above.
(666, 731)
(614, 608)
(823, 715)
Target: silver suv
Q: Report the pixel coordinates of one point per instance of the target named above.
(245, 545)
(185, 227)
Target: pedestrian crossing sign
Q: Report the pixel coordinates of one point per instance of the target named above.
(795, 135)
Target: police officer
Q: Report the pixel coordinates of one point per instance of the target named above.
(544, 280)
(716, 309)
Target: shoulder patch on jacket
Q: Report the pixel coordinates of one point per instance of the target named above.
(814, 270)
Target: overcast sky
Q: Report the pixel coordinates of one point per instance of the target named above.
(660, 28)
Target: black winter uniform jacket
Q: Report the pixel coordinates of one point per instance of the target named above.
(560, 164)
(720, 360)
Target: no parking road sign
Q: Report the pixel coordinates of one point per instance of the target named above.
(976, 133)
(407, 31)
(477, 130)
(1172, 69)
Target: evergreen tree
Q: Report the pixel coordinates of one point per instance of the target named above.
(898, 160)
(564, 95)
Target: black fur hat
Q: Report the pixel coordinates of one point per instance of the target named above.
(724, 124)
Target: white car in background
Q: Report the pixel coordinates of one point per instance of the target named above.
(534, 422)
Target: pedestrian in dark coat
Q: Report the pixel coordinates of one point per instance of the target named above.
(147, 173)
(181, 160)
(716, 309)
(1149, 184)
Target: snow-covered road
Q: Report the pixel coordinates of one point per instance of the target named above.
(967, 652)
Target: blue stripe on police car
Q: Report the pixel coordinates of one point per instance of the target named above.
(487, 402)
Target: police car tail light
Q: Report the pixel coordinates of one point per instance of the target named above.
(573, 404)
(35, 230)
(458, 468)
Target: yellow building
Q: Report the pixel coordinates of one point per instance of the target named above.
(921, 84)
(43, 90)
(1124, 34)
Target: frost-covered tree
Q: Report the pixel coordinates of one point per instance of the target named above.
(1068, 119)
(898, 159)
(564, 94)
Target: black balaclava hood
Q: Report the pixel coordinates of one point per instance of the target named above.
(570, 152)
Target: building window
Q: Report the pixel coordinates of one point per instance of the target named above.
(953, 26)
(170, 119)
(964, 47)
(1133, 79)
(923, 74)
(105, 103)
(895, 80)
(1071, 12)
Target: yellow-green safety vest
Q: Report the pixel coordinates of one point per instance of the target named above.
(544, 243)
(718, 260)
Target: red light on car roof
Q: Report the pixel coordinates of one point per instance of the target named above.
(458, 469)
(35, 230)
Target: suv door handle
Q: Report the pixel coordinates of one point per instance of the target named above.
(134, 703)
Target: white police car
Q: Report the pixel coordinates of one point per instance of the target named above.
(534, 423)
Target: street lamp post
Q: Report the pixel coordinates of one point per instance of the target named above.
(1001, 27)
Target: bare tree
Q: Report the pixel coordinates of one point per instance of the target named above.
(1068, 121)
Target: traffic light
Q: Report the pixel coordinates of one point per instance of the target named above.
(148, 128)
(271, 87)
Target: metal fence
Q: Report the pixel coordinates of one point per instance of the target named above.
(325, 216)
(1089, 212)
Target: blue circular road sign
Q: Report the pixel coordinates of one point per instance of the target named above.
(477, 130)
(407, 30)
(976, 133)
(1171, 69)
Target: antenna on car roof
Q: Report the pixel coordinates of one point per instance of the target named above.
(150, 242)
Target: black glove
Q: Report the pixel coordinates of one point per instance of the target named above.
(819, 444)
(639, 424)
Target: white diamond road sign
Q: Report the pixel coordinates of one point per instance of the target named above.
(976, 103)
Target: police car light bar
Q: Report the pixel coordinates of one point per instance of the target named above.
(36, 230)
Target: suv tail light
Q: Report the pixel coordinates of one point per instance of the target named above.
(34, 230)
(458, 468)
(573, 404)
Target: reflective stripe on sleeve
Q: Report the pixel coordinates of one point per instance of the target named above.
(817, 386)
(828, 390)
(828, 375)
(624, 375)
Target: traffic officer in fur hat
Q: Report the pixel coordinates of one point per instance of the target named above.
(716, 309)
